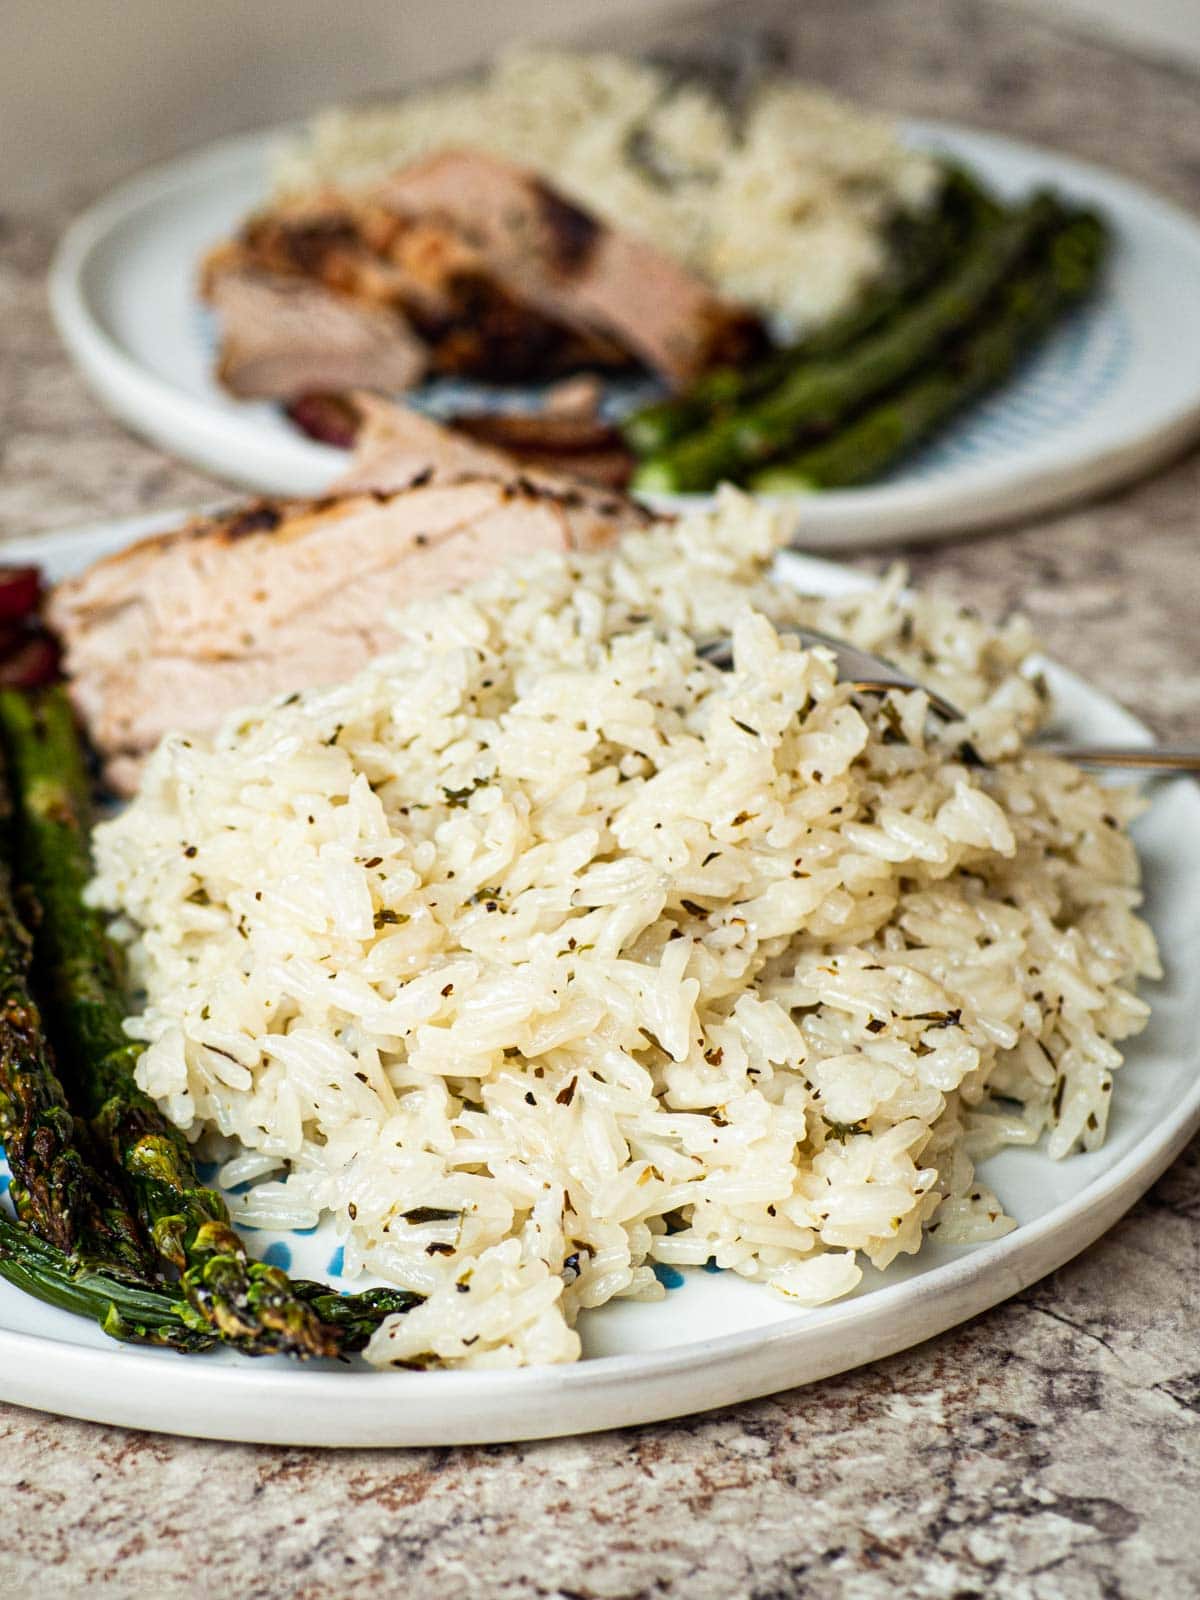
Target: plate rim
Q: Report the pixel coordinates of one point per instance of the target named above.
(835, 519)
(367, 1409)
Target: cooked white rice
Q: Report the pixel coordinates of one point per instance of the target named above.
(543, 951)
(785, 210)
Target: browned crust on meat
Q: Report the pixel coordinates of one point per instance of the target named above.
(592, 274)
(283, 519)
(425, 271)
(538, 430)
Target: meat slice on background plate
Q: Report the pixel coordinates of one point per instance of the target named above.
(560, 437)
(479, 262)
(283, 336)
(277, 595)
(395, 443)
(412, 285)
(571, 265)
(587, 448)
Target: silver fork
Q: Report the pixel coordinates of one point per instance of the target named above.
(873, 675)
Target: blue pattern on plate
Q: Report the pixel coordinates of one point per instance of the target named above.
(1074, 371)
(207, 330)
(669, 1277)
(337, 1262)
(444, 397)
(711, 1265)
(278, 1255)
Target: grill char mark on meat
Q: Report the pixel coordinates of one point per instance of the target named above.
(571, 233)
(262, 516)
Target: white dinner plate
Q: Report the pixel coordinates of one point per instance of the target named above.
(1113, 391)
(715, 1338)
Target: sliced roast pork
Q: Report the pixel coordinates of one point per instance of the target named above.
(280, 595)
(571, 265)
(482, 263)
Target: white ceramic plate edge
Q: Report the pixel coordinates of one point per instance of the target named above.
(837, 519)
(146, 404)
(384, 1410)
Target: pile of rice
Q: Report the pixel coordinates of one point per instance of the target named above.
(544, 951)
(784, 207)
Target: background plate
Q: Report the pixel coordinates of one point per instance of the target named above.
(714, 1339)
(1115, 389)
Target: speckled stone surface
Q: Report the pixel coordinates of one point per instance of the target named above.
(1049, 1449)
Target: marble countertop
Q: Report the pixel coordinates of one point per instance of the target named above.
(1048, 1449)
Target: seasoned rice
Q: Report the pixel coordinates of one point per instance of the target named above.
(544, 952)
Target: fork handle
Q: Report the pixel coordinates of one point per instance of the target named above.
(1147, 758)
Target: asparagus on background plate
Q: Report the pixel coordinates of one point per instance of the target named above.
(816, 395)
(924, 250)
(840, 406)
(982, 359)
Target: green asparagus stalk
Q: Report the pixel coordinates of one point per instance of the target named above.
(56, 1189)
(150, 1314)
(1026, 308)
(247, 1302)
(49, 1177)
(924, 247)
(134, 1313)
(817, 396)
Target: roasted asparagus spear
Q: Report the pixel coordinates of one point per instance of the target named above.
(924, 249)
(188, 1224)
(138, 1313)
(50, 1187)
(133, 1312)
(985, 357)
(56, 1189)
(355, 1316)
(817, 395)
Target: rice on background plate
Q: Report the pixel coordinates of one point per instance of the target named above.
(784, 205)
(543, 951)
